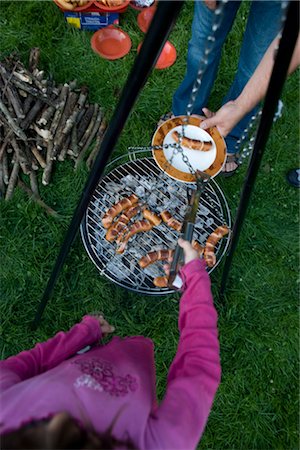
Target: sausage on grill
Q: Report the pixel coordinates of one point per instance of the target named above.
(117, 208)
(212, 240)
(152, 217)
(170, 221)
(137, 227)
(121, 224)
(152, 257)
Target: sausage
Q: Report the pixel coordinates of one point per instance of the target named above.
(170, 221)
(152, 217)
(117, 208)
(152, 257)
(160, 282)
(120, 225)
(137, 227)
(212, 240)
(194, 144)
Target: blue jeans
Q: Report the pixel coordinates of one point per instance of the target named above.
(263, 25)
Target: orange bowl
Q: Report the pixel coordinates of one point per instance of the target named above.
(79, 8)
(167, 56)
(145, 18)
(111, 42)
(119, 8)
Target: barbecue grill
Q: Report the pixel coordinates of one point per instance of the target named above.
(138, 172)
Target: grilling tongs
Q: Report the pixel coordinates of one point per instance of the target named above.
(188, 224)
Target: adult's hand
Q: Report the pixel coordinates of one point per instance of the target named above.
(224, 119)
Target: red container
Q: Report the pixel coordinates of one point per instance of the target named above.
(111, 42)
(167, 56)
(145, 18)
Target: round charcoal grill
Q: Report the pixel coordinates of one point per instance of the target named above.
(139, 174)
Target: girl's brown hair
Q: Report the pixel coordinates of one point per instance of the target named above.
(60, 432)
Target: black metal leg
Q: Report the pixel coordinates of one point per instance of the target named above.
(155, 39)
(283, 58)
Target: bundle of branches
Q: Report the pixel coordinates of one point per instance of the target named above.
(41, 123)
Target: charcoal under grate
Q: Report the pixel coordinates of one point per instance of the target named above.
(140, 175)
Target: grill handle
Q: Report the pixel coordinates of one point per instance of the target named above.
(178, 258)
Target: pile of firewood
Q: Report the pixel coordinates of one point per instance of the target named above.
(40, 124)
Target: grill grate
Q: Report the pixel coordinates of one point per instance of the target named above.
(133, 173)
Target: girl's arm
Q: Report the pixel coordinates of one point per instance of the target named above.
(195, 373)
(46, 355)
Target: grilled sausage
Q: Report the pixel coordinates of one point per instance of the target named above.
(121, 224)
(194, 144)
(212, 240)
(152, 257)
(170, 221)
(152, 217)
(117, 208)
(137, 227)
(160, 282)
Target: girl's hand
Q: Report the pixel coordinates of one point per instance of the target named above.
(189, 254)
(105, 327)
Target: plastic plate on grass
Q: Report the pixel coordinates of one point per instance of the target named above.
(210, 161)
(111, 42)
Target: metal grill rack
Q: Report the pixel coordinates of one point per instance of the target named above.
(138, 173)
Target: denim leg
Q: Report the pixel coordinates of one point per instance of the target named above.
(201, 29)
(263, 25)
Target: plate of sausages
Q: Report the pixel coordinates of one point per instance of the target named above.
(204, 149)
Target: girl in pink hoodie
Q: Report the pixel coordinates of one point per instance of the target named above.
(52, 397)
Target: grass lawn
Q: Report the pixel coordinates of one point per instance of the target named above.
(256, 405)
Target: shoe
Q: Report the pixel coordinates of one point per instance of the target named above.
(293, 177)
(164, 117)
(231, 160)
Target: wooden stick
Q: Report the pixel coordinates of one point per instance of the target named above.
(14, 99)
(5, 142)
(33, 112)
(37, 199)
(5, 168)
(84, 122)
(94, 152)
(34, 57)
(32, 91)
(65, 146)
(2, 184)
(46, 115)
(12, 180)
(15, 128)
(74, 151)
(89, 128)
(38, 157)
(25, 164)
(49, 164)
(90, 139)
(34, 184)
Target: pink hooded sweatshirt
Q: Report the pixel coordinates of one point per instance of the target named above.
(118, 379)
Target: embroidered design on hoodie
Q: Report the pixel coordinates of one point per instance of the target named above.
(99, 375)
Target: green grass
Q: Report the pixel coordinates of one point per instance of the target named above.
(256, 405)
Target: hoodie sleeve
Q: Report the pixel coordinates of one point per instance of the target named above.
(194, 375)
(46, 355)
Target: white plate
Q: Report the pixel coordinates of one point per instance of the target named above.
(199, 160)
